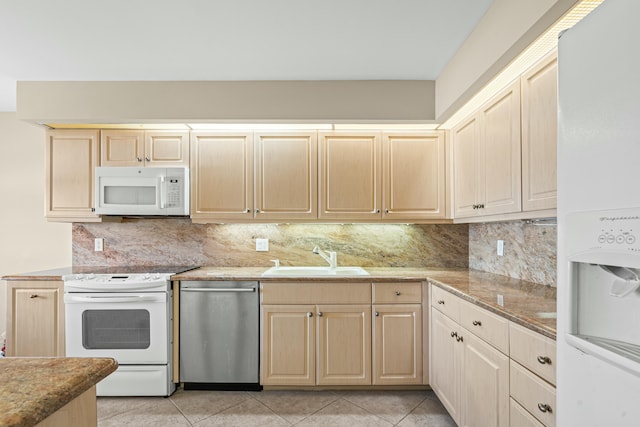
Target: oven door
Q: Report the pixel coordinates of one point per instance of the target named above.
(130, 327)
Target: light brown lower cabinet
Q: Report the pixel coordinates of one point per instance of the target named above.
(81, 411)
(316, 345)
(35, 319)
(397, 344)
(330, 334)
(470, 377)
(486, 370)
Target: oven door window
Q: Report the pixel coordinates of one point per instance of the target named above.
(116, 329)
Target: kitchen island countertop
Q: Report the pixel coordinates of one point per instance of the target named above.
(32, 389)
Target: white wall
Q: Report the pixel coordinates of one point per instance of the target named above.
(27, 241)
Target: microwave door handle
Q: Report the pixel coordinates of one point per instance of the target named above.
(163, 192)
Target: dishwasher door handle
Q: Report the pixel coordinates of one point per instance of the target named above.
(218, 289)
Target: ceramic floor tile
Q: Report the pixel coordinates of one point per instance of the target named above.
(430, 413)
(249, 413)
(111, 406)
(156, 412)
(197, 405)
(295, 406)
(343, 413)
(393, 406)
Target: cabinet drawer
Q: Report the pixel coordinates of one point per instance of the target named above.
(519, 417)
(534, 351)
(445, 302)
(397, 293)
(315, 293)
(486, 325)
(534, 394)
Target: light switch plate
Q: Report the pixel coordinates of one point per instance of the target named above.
(500, 248)
(98, 245)
(262, 245)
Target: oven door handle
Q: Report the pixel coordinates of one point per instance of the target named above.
(133, 298)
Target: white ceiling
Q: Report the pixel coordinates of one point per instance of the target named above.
(229, 39)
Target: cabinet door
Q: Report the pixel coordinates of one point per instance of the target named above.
(485, 391)
(35, 314)
(350, 176)
(221, 176)
(413, 176)
(288, 345)
(71, 157)
(344, 345)
(120, 147)
(499, 179)
(397, 344)
(466, 140)
(286, 175)
(445, 363)
(166, 148)
(539, 135)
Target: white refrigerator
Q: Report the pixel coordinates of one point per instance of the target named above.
(599, 219)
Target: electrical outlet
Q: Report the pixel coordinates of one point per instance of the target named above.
(262, 245)
(500, 300)
(500, 248)
(98, 245)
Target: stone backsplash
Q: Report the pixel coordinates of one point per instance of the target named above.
(177, 241)
(529, 250)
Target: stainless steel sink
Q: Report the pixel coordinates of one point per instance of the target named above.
(314, 271)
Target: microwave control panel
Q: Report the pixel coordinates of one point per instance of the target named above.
(174, 191)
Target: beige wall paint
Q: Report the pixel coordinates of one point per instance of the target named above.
(507, 28)
(337, 101)
(27, 241)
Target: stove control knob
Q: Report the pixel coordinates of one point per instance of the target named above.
(147, 276)
(156, 277)
(80, 277)
(91, 276)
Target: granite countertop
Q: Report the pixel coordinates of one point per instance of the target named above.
(526, 303)
(31, 389)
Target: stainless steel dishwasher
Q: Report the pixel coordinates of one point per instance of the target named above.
(219, 335)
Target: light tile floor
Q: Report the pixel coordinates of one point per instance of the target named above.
(277, 408)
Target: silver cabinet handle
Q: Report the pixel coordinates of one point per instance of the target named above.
(397, 293)
(247, 210)
(139, 158)
(34, 296)
(440, 301)
(147, 158)
(477, 323)
(376, 211)
(377, 314)
(544, 407)
(454, 334)
(218, 289)
(459, 338)
(309, 314)
(257, 210)
(319, 314)
(544, 360)
(386, 211)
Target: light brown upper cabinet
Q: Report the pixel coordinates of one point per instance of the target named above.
(486, 158)
(71, 157)
(286, 175)
(413, 175)
(350, 176)
(539, 134)
(221, 176)
(162, 148)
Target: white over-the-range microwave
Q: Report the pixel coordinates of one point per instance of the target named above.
(142, 191)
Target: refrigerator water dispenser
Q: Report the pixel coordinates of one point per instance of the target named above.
(604, 280)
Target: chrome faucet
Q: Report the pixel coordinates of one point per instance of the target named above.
(332, 259)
